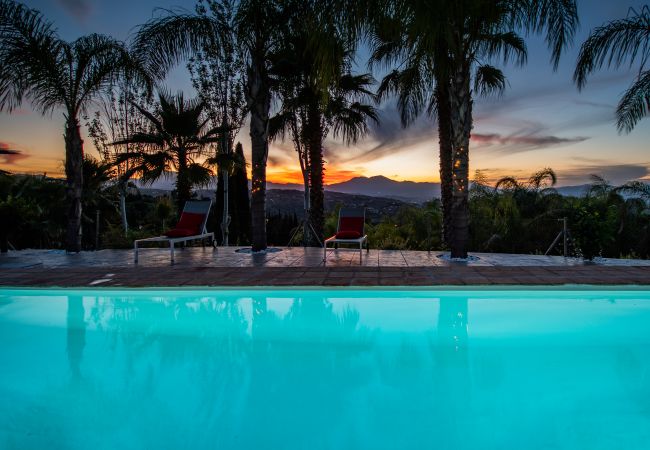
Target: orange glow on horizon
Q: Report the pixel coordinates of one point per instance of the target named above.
(290, 175)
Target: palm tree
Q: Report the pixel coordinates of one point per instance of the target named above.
(443, 49)
(259, 23)
(179, 136)
(319, 96)
(36, 64)
(611, 45)
(309, 114)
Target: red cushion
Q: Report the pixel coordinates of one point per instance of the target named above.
(348, 235)
(190, 221)
(351, 224)
(180, 232)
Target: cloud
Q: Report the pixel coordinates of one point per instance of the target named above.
(79, 9)
(614, 173)
(386, 138)
(531, 136)
(10, 156)
(521, 141)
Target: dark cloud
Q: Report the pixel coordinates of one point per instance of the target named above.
(9, 155)
(614, 173)
(80, 9)
(282, 153)
(524, 140)
(387, 138)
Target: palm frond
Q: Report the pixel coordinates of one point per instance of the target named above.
(634, 105)
(612, 44)
(542, 177)
(279, 124)
(507, 183)
(509, 44)
(32, 59)
(99, 60)
(558, 19)
(165, 41)
(151, 140)
(198, 174)
(636, 188)
(489, 80)
(411, 89)
(351, 122)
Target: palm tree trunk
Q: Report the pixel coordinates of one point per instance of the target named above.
(315, 149)
(183, 186)
(241, 200)
(74, 182)
(460, 103)
(307, 239)
(125, 222)
(444, 139)
(225, 218)
(259, 98)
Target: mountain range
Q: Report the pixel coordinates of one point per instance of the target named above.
(377, 186)
(406, 191)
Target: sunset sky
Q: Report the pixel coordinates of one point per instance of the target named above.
(541, 121)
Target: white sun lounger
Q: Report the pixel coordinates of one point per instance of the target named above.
(350, 230)
(190, 227)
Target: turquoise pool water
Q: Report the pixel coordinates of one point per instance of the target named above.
(324, 370)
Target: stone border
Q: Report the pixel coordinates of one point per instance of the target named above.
(245, 277)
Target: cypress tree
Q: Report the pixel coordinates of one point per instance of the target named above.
(240, 200)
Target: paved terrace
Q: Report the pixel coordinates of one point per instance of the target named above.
(299, 266)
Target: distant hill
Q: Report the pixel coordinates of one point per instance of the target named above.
(290, 201)
(573, 191)
(378, 186)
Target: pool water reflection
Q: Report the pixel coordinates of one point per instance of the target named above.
(324, 370)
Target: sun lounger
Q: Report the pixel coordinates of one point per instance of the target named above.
(190, 227)
(350, 230)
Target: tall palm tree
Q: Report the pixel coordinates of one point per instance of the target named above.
(444, 48)
(611, 45)
(319, 96)
(259, 24)
(179, 136)
(312, 110)
(36, 64)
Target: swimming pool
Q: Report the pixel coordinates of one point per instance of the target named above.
(324, 369)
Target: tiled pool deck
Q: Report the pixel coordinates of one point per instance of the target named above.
(299, 266)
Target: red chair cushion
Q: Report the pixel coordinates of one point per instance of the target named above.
(348, 235)
(351, 224)
(188, 225)
(180, 232)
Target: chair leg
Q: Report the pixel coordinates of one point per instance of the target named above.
(360, 252)
(135, 252)
(325, 252)
(171, 248)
